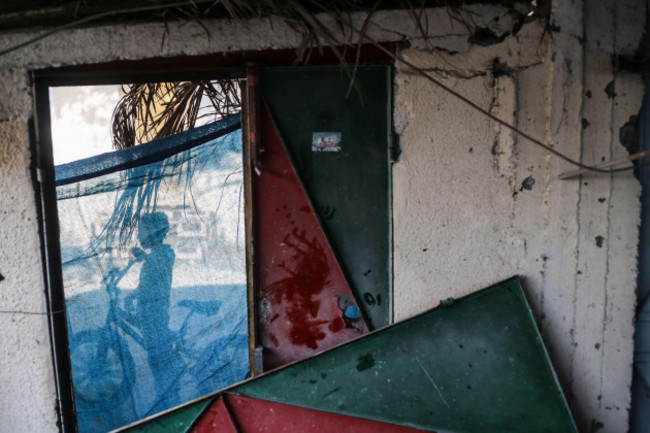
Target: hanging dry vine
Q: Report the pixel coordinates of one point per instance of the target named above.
(154, 110)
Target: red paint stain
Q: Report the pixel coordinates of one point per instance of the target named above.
(308, 269)
(337, 324)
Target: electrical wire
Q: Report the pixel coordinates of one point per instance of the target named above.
(498, 120)
(98, 16)
(363, 36)
(31, 313)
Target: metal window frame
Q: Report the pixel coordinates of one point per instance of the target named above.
(42, 169)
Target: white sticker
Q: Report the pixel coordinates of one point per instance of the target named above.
(326, 142)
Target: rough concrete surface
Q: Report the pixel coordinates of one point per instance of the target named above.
(473, 202)
(467, 213)
(26, 373)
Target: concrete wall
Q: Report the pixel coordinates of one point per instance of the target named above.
(467, 212)
(473, 203)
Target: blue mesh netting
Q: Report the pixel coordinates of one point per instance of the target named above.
(152, 245)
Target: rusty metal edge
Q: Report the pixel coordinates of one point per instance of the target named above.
(250, 136)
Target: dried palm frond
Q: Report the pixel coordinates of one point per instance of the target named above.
(154, 110)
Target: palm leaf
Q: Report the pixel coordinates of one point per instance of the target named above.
(154, 110)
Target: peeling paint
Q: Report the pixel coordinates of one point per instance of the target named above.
(610, 89)
(628, 135)
(401, 118)
(484, 37)
(599, 241)
(527, 184)
(596, 425)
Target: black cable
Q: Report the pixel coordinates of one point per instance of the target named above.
(363, 36)
(496, 119)
(31, 313)
(99, 16)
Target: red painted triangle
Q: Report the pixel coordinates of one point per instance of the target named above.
(303, 292)
(260, 416)
(216, 419)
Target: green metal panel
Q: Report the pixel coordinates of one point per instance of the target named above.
(475, 365)
(350, 189)
(178, 420)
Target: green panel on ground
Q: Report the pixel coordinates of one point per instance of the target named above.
(478, 365)
(350, 189)
(178, 420)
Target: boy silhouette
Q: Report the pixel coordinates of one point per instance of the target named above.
(152, 303)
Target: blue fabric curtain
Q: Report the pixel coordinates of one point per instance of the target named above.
(153, 252)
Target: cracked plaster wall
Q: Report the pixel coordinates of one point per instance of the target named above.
(472, 202)
(26, 374)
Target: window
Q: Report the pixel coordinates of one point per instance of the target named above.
(152, 249)
(308, 228)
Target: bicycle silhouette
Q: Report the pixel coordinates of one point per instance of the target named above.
(104, 371)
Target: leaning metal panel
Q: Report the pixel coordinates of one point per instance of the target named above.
(477, 364)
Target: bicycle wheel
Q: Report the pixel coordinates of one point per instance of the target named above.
(102, 367)
(221, 363)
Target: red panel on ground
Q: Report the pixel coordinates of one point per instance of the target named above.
(215, 419)
(303, 292)
(261, 416)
